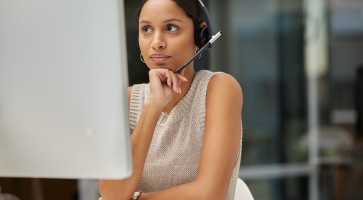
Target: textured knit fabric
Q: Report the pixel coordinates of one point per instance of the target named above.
(174, 152)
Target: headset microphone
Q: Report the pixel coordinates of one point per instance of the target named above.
(214, 38)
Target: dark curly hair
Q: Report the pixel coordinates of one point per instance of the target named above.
(192, 9)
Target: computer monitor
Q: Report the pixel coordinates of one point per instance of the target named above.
(63, 90)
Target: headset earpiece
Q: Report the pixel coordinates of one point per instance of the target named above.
(201, 37)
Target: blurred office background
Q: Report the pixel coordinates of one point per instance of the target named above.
(300, 66)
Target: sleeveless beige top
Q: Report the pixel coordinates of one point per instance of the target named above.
(174, 152)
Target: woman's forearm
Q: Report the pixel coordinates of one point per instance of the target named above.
(140, 140)
(192, 190)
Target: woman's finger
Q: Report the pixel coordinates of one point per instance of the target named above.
(181, 77)
(164, 76)
(170, 73)
(175, 82)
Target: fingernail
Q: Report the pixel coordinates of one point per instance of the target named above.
(185, 79)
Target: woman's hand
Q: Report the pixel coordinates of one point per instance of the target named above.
(163, 85)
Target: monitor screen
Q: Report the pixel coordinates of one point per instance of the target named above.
(63, 90)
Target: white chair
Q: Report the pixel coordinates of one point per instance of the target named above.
(7, 196)
(242, 191)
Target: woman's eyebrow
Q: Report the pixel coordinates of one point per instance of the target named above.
(168, 20)
(144, 21)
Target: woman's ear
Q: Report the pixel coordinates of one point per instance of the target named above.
(203, 25)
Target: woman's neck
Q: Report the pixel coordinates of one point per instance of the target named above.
(189, 75)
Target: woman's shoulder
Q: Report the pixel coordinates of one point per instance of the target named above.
(224, 80)
(221, 80)
(219, 76)
(224, 88)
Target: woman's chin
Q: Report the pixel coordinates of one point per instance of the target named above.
(163, 66)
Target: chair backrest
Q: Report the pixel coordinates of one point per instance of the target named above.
(242, 191)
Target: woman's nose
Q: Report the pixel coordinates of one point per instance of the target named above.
(158, 42)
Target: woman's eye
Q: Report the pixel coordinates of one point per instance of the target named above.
(146, 29)
(172, 28)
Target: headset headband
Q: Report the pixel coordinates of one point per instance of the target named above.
(207, 19)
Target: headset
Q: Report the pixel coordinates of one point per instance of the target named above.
(203, 37)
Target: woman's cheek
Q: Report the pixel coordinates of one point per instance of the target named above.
(143, 43)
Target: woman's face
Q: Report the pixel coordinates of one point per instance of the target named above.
(166, 35)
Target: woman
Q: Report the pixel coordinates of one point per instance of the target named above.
(186, 140)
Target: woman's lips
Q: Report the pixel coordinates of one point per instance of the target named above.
(159, 57)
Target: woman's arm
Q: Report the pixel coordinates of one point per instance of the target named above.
(220, 145)
(140, 143)
(141, 137)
